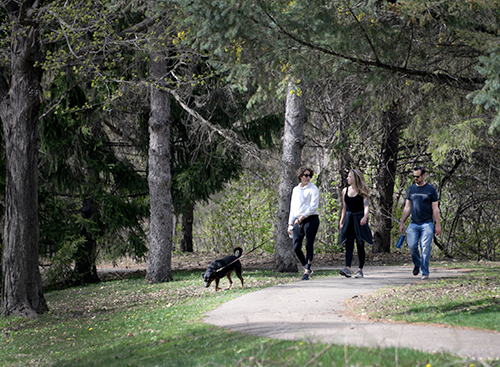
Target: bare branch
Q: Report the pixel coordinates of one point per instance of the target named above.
(228, 135)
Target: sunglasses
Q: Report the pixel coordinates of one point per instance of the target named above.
(307, 175)
(417, 176)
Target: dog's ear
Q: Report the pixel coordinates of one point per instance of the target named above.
(203, 275)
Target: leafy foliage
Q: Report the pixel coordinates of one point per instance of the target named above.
(489, 95)
(244, 215)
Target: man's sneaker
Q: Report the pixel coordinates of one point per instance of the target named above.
(359, 274)
(416, 270)
(305, 276)
(345, 272)
(424, 277)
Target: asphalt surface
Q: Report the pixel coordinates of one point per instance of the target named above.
(313, 310)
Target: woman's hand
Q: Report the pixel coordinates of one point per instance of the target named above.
(363, 221)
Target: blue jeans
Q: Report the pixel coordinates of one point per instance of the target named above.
(425, 233)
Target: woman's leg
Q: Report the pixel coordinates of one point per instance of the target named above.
(361, 254)
(311, 226)
(297, 244)
(349, 245)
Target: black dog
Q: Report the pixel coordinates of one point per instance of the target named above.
(218, 269)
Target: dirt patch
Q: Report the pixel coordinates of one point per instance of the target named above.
(199, 262)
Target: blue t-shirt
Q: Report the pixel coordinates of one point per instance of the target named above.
(421, 198)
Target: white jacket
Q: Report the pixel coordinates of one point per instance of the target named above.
(304, 202)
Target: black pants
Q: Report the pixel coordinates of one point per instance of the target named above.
(349, 247)
(309, 230)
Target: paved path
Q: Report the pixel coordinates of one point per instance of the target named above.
(312, 310)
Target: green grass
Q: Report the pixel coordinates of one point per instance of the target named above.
(471, 300)
(133, 323)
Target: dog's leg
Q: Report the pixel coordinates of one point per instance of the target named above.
(217, 284)
(238, 274)
(230, 280)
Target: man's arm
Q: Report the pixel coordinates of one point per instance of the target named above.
(435, 212)
(404, 217)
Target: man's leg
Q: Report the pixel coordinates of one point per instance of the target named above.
(412, 237)
(427, 230)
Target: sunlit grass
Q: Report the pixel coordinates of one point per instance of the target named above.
(133, 323)
(471, 300)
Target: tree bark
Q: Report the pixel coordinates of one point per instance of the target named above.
(344, 158)
(384, 187)
(19, 110)
(293, 142)
(86, 255)
(187, 228)
(159, 264)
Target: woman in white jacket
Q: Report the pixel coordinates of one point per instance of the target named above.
(304, 218)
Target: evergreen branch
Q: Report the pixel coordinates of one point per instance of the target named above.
(62, 96)
(141, 26)
(409, 48)
(363, 31)
(436, 77)
(227, 134)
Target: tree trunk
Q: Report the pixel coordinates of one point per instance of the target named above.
(19, 110)
(382, 218)
(187, 228)
(159, 264)
(344, 157)
(86, 254)
(293, 142)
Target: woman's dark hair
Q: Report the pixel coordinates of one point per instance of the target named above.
(301, 170)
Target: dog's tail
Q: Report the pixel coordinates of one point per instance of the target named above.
(237, 251)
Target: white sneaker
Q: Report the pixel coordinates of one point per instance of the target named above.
(359, 274)
(424, 277)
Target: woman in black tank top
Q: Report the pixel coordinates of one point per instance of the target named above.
(354, 204)
(354, 221)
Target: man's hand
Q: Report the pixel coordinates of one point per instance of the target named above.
(437, 229)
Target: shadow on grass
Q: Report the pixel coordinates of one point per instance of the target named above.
(483, 313)
(204, 345)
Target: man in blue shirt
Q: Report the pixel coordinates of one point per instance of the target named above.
(422, 203)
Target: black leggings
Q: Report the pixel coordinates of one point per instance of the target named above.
(349, 247)
(310, 228)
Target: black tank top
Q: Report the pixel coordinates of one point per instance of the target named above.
(354, 204)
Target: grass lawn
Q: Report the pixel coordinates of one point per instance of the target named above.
(471, 300)
(133, 323)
